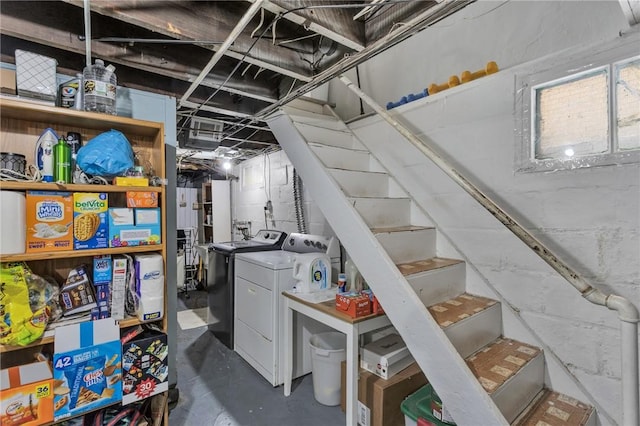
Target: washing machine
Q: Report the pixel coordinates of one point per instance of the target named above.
(260, 279)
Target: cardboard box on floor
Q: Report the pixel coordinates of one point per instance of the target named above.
(379, 399)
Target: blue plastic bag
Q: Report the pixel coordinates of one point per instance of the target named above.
(108, 154)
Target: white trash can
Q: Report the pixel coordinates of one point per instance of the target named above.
(328, 350)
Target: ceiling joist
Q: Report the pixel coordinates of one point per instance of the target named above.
(206, 21)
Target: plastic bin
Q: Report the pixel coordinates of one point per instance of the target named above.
(328, 350)
(417, 409)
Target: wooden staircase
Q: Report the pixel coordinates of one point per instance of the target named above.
(394, 247)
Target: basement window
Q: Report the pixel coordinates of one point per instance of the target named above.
(580, 119)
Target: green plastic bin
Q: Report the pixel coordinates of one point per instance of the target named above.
(417, 409)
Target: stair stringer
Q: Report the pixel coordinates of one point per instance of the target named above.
(558, 377)
(437, 357)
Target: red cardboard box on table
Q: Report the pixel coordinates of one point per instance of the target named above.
(353, 304)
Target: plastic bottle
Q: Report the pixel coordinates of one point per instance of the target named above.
(355, 282)
(68, 91)
(100, 88)
(44, 153)
(62, 162)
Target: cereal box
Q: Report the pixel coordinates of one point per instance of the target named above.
(49, 221)
(144, 366)
(26, 395)
(87, 371)
(142, 199)
(90, 227)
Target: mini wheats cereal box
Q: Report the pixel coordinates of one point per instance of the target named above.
(49, 221)
(90, 227)
(87, 365)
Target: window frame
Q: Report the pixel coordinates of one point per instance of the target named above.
(554, 71)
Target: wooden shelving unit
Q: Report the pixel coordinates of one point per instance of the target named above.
(21, 123)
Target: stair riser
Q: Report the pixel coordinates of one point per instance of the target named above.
(477, 331)
(438, 285)
(362, 184)
(516, 393)
(383, 212)
(409, 246)
(339, 158)
(325, 136)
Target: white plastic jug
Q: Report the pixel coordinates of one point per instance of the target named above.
(312, 271)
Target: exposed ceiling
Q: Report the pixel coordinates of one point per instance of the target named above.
(233, 61)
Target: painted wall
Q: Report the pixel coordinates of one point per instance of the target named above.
(267, 177)
(589, 217)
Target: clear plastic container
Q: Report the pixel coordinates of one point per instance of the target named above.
(100, 84)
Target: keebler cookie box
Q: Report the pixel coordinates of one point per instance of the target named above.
(26, 395)
(49, 221)
(90, 226)
(87, 367)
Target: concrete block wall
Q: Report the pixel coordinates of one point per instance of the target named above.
(270, 176)
(589, 217)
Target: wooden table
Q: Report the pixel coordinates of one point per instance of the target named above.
(326, 313)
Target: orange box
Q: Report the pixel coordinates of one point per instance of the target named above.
(353, 304)
(142, 199)
(49, 221)
(26, 395)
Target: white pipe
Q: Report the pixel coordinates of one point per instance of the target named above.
(87, 32)
(233, 35)
(627, 312)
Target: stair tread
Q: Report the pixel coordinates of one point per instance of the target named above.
(399, 229)
(499, 361)
(418, 266)
(454, 310)
(555, 409)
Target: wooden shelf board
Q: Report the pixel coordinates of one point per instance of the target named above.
(31, 111)
(26, 257)
(72, 187)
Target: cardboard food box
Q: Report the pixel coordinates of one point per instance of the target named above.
(379, 400)
(90, 227)
(134, 227)
(386, 357)
(102, 275)
(49, 221)
(77, 294)
(145, 366)
(87, 369)
(26, 395)
(122, 268)
(353, 304)
(130, 181)
(144, 199)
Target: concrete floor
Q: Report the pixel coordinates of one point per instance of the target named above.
(219, 388)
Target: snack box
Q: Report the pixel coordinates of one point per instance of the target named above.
(49, 221)
(87, 371)
(130, 181)
(353, 304)
(134, 227)
(77, 293)
(102, 270)
(386, 357)
(26, 395)
(145, 366)
(144, 199)
(90, 227)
